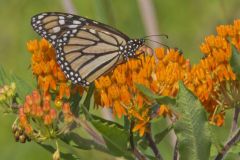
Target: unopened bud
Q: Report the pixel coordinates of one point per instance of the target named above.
(53, 113)
(46, 105)
(22, 139)
(26, 108)
(56, 155)
(13, 86)
(28, 99)
(2, 97)
(47, 119)
(66, 108)
(39, 111)
(28, 129)
(36, 97)
(68, 118)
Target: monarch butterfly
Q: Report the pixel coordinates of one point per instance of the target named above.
(86, 49)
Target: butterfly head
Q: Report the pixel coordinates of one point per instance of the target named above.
(129, 50)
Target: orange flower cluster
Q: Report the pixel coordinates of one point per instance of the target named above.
(45, 68)
(207, 79)
(38, 108)
(161, 75)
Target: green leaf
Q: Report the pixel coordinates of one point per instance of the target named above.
(114, 135)
(51, 149)
(75, 99)
(159, 137)
(235, 60)
(191, 127)
(89, 95)
(82, 143)
(160, 99)
(213, 132)
(22, 88)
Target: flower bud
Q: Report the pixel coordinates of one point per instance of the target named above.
(47, 120)
(28, 129)
(14, 128)
(2, 97)
(22, 139)
(1, 91)
(16, 135)
(13, 86)
(39, 111)
(26, 108)
(6, 88)
(28, 99)
(66, 108)
(36, 97)
(21, 111)
(23, 120)
(46, 105)
(34, 110)
(56, 155)
(68, 118)
(53, 114)
(10, 92)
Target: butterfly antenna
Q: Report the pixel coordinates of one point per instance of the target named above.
(156, 35)
(158, 43)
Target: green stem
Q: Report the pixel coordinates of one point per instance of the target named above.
(235, 119)
(153, 146)
(135, 151)
(232, 141)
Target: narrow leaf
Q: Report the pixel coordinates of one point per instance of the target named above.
(191, 127)
(82, 143)
(116, 138)
(159, 137)
(52, 149)
(22, 88)
(160, 99)
(235, 60)
(89, 96)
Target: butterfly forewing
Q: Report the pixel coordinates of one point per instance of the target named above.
(53, 25)
(86, 49)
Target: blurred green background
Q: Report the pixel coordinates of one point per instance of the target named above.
(186, 22)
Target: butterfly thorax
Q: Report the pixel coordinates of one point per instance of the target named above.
(129, 50)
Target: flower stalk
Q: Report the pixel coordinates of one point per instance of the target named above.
(231, 142)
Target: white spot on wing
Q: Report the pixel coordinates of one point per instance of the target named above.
(40, 16)
(56, 29)
(53, 37)
(76, 22)
(61, 17)
(62, 22)
(92, 31)
(72, 26)
(74, 31)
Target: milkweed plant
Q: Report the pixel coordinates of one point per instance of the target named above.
(161, 84)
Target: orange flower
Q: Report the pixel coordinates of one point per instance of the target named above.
(37, 111)
(160, 75)
(164, 110)
(45, 68)
(208, 79)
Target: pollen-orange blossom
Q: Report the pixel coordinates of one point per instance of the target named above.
(160, 73)
(47, 71)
